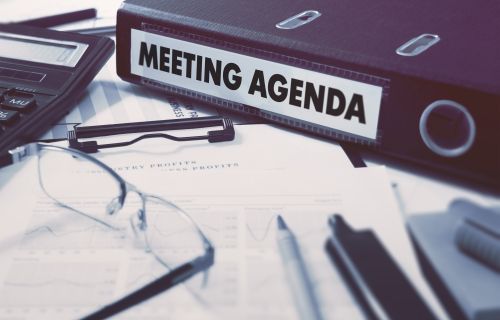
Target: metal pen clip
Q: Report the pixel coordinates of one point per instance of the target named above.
(225, 134)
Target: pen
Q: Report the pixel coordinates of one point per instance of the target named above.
(297, 276)
(59, 19)
(96, 30)
(379, 285)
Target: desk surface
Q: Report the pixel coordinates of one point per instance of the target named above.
(109, 100)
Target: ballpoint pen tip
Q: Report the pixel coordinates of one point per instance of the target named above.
(331, 220)
(281, 223)
(334, 219)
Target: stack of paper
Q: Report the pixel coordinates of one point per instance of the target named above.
(234, 191)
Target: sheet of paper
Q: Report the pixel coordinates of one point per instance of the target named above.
(421, 194)
(234, 191)
(255, 148)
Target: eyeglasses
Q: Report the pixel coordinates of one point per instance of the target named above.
(90, 188)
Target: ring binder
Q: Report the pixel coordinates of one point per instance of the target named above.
(346, 48)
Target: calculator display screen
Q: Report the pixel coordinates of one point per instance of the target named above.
(34, 49)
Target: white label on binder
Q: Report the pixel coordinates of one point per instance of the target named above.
(331, 101)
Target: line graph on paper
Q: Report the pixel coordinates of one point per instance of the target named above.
(34, 283)
(219, 225)
(68, 231)
(56, 228)
(260, 222)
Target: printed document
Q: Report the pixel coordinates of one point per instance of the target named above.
(234, 191)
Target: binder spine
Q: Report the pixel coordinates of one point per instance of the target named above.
(275, 57)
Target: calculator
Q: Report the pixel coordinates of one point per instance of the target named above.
(42, 75)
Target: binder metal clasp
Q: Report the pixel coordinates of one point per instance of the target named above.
(299, 19)
(226, 132)
(418, 45)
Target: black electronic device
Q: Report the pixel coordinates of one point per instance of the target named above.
(42, 74)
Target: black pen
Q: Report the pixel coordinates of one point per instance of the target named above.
(381, 288)
(59, 19)
(111, 29)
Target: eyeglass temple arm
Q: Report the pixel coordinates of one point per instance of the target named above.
(159, 285)
(226, 134)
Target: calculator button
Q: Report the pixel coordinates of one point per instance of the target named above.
(8, 116)
(18, 101)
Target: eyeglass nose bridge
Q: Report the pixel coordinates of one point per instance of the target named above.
(114, 206)
(117, 202)
(138, 220)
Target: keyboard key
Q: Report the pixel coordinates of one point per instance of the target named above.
(8, 116)
(18, 101)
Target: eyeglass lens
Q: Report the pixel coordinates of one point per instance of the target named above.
(168, 238)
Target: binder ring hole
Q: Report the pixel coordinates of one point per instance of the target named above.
(447, 128)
